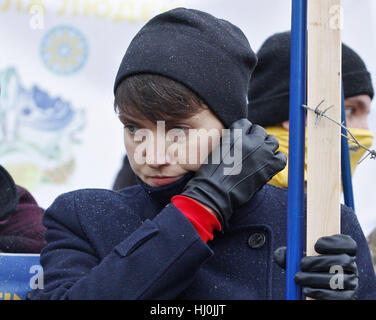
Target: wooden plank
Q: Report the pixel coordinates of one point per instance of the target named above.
(324, 140)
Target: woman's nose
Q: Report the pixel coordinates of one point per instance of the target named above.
(156, 153)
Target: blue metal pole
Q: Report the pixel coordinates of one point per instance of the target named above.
(345, 163)
(298, 87)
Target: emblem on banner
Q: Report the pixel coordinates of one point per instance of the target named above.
(64, 50)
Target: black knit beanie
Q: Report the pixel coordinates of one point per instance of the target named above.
(270, 83)
(210, 56)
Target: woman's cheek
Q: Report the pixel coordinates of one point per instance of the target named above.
(191, 167)
(130, 148)
(198, 150)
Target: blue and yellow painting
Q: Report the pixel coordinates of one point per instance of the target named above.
(37, 133)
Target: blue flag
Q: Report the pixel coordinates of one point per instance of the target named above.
(19, 274)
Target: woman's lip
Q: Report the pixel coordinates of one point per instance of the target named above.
(163, 180)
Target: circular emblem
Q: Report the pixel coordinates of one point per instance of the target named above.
(64, 50)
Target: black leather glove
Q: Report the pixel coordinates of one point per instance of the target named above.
(8, 194)
(337, 252)
(225, 191)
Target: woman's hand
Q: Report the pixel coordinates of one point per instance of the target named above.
(243, 162)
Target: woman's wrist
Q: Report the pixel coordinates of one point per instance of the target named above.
(203, 218)
(207, 208)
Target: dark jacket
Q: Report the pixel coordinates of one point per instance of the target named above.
(22, 231)
(134, 244)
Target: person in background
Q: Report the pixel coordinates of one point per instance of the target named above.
(21, 228)
(269, 95)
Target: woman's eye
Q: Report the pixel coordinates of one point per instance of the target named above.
(180, 128)
(177, 133)
(131, 129)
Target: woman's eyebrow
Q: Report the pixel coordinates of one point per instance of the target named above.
(168, 122)
(122, 116)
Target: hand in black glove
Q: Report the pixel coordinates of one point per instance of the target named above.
(8, 194)
(223, 189)
(316, 277)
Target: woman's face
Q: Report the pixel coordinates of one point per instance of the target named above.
(162, 152)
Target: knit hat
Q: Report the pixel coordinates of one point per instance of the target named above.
(8, 194)
(210, 56)
(270, 83)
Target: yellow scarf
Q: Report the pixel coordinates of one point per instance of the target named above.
(365, 137)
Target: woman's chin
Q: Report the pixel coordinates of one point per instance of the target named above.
(159, 181)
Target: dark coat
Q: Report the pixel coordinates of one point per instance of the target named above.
(134, 244)
(22, 231)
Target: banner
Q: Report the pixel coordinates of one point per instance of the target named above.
(58, 63)
(19, 274)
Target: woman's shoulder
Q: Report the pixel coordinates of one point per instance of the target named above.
(100, 196)
(92, 204)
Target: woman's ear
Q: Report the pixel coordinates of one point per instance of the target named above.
(285, 124)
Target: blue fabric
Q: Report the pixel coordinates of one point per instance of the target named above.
(134, 244)
(19, 273)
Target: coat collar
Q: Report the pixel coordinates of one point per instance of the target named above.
(161, 196)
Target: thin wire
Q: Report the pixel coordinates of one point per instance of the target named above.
(320, 114)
